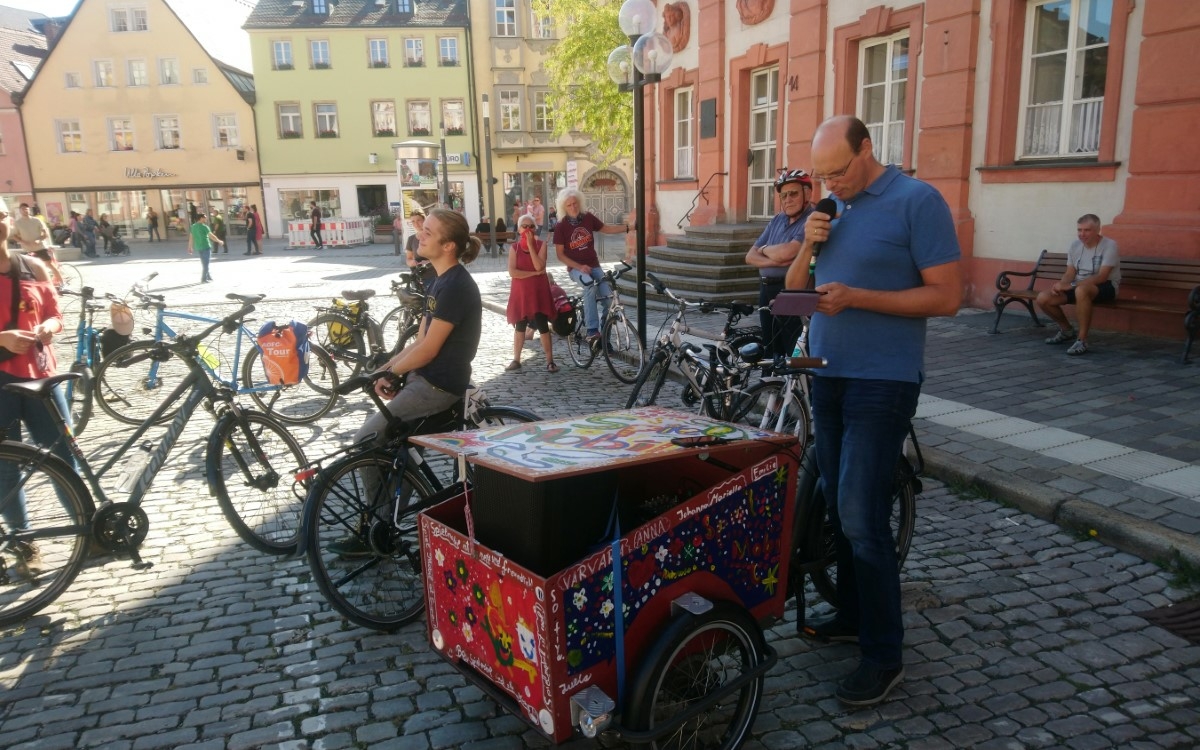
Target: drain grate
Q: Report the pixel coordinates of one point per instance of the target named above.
(1182, 619)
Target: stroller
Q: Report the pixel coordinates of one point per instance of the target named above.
(116, 245)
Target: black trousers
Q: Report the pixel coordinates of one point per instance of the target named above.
(779, 332)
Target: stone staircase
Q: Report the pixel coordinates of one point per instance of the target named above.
(704, 263)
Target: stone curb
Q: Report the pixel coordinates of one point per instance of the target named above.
(1146, 539)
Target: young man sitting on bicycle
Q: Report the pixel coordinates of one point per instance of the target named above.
(575, 246)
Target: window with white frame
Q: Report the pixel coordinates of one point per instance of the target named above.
(70, 136)
(281, 55)
(138, 19)
(764, 119)
(685, 123)
(326, 118)
(320, 7)
(318, 50)
(543, 116)
(118, 20)
(404, 6)
(200, 75)
(448, 51)
(506, 17)
(104, 74)
(378, 49)
(1063, 82)
(138, 75)
(454, 116)
(541, 26)
(290, 123)
(414, 52)
(883, 94)
(225, 131)
(72, 80)
(167, 127)
(168, 71)
(120, 133)
(510, 109)
(419, 118)
(383, 118)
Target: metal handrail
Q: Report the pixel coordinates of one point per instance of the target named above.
(703, 193)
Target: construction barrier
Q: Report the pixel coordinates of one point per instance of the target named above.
(344, 232)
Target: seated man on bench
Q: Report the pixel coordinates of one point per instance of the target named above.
(1093, 276)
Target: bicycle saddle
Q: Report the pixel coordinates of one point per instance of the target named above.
(41, 387)
(246, 299)
(358, 294)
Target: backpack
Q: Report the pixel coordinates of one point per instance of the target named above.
(285, 352)
(564, 322)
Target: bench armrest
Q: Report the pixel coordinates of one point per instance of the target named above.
(1004, 280)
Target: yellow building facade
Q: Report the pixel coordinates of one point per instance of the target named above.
(340, 84)
(129, 112)
(510, 45)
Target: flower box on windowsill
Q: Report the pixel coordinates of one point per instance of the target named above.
(448, 62)
(379, 64)
(284, 66)
(165, 147)
(327, 134)
(419, 131)
(291, 134)
(386, 133)
(414, 63)
(454, 131)
(321, 66)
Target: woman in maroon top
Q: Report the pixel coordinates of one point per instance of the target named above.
(530, 300)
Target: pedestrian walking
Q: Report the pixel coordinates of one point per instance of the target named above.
(201, 241)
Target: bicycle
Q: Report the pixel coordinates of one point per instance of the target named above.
(251, 460)
(359, 526)
(91, 344)
(618, 338)
(354, 339)
(128, 394)
(714, 374)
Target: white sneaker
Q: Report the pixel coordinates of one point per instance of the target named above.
(1061, 337)
(1079, 347)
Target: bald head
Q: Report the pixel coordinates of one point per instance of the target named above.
(842, 156)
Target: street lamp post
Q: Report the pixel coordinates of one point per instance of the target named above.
(631, 67)
(445, 170)
(487, 160)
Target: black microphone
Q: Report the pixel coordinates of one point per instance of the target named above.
(826, 206)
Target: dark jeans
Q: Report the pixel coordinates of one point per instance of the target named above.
(779, 333)
(315, 233)
(152, 232)
(860, 427)
(41, 430)
(251, 243)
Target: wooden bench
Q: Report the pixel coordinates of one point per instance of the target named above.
(502, 238)
(1155, 273)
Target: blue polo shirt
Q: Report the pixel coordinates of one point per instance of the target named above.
(882, 239)
(780, 230)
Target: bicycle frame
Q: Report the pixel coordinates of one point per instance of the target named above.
(162, 328)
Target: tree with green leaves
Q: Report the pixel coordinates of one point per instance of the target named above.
(583, 97)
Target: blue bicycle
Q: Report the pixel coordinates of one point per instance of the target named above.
(130, 394)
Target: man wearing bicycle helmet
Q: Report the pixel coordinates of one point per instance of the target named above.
(774, 251)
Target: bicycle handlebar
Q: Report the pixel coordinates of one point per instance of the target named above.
(610, 275)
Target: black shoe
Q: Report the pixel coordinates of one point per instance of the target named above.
(830, 630)
(868, 685)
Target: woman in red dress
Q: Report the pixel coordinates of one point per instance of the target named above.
(529, 301)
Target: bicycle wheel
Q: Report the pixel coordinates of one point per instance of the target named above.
(622, 349)
(394, 328)
(650, 380)
(135, 379)
(252, 462)
(496, 416)
(903, 520)
(762, 407)
(366, 565)
(345, 343)
(695, 657)
(298, 403)
(579, 348)
(79, 397)
(37, 565)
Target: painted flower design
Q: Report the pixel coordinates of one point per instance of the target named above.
(606, 608)
(580, 599)
(451, 581)
(662, 553)
(461, 569)
(468, 632)
(440, 557)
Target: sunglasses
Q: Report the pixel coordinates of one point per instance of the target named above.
(527, 226)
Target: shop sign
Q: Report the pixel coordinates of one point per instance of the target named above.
(147, 173)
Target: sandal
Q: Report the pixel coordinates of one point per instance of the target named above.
(513, 366)
(551, 367)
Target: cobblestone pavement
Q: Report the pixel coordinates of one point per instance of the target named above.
(1019, 634)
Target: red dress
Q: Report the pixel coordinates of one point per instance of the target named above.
(531, 295)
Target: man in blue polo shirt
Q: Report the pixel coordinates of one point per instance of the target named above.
(774, 251)
(885, 263)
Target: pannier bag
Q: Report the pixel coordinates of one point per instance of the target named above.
(340, 335)
(111, 340)
(285, 351)
(564, 321)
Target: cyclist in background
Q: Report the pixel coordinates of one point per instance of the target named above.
(575, 245)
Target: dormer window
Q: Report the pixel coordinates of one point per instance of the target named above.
(404, 6)
(320, 7)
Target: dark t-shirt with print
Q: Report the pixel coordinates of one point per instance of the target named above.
(454, 298)
(578, 239)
